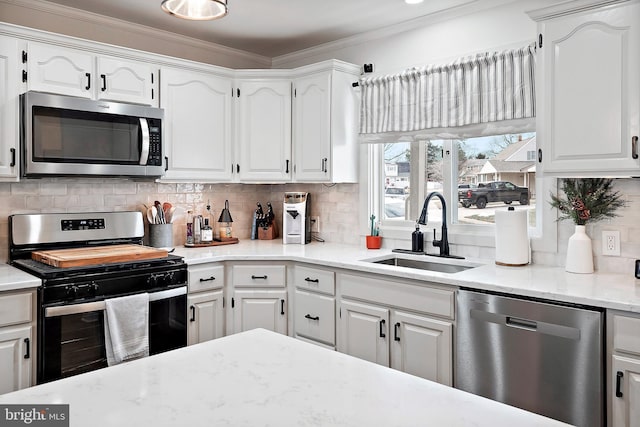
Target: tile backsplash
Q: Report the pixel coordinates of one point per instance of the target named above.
(334, 204)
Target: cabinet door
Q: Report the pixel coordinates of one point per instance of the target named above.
(312, 128)
(15, 358)
(260, 309)
(206, 317)
(626, 381)
(58, 70)
(590, 106)
(364, 331)
(422, 346)
(9, 107)
(126, 81)
(197, 125)
(264, 131)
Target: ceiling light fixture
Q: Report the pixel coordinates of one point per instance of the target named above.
(196, 10)
(413, 1)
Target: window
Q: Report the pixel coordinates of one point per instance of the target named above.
(476, 176)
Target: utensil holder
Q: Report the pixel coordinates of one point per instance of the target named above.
(161, 235)
(374, 242)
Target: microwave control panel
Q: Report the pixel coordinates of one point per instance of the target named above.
(155, 143)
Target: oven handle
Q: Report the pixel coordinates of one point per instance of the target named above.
(87, 307)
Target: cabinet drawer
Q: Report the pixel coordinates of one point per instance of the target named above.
(15, 308)
(626, 334)
(203, 277)
(315, 279)
(257, 276)
(315, 316)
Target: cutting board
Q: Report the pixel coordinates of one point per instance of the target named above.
(79, 257)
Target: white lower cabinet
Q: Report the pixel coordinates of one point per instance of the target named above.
(258, 297)
(624, 372)
(395, 326)
(206, 317)
(17, 323)
(259, 309)
(205, 303)
(315, 316)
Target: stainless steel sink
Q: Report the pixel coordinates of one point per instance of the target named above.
(441, 267)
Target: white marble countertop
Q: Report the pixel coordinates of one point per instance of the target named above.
(12, 279)
(260, 378)
(615, 291)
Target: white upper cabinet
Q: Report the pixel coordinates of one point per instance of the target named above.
(75, 72)
(325, 125)
(197, 125)
(588, 89)
(9, 91)
(263, 126)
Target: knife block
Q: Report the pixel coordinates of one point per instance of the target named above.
(267, 233)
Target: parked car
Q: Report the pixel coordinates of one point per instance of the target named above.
(497, 191)
(396, 192)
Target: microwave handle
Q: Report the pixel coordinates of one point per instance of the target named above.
(144, 151)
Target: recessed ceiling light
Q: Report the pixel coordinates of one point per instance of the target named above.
(413, 1)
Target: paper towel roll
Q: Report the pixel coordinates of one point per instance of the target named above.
(512, 237)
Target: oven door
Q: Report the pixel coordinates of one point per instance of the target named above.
(72, 335)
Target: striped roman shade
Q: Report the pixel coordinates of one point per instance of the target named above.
(489, 87)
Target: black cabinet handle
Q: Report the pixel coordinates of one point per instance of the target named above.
(166, 163)
(324, 165)
(104, 82)
(238, 168)
(210, 279)
(259, 277)
(24, 76)
(308, 279)
(382, 322)
(634, 147)
(88, 86)
(193, 313)
(13, 157)
(27, 343)
(310, 317)
(287, 171)
(619, 376)
(396, 329)
(539, 155)
(282, 307)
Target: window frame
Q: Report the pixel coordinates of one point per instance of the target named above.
(543, 236)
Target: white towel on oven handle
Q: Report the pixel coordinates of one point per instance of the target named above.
(126, 328)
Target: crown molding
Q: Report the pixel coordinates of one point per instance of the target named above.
(570, 7)
(122, 25)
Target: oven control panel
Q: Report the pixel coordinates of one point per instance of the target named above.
(82, 224)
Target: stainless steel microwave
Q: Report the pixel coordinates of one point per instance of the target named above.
(67, 136)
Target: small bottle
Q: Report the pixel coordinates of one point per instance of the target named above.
(197, 228)
(206, 232)
(189, 227)
(417, 240)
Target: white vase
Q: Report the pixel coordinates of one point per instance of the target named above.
(579, 252)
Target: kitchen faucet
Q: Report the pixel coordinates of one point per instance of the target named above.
(443, 243)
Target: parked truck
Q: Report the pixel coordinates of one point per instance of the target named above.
(497, 191)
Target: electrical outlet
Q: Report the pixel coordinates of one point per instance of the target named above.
(315, 224)
(611, 242)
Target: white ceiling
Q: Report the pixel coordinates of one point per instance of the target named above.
(276, 27)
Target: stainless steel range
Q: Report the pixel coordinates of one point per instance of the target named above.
(71, 301)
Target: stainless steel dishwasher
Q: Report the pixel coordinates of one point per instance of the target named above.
(537, 355)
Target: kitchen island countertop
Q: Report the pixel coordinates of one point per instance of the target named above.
(260, 378)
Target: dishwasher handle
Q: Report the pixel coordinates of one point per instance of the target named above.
(517, 322)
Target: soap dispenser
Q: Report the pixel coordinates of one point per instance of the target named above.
(417, 240)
